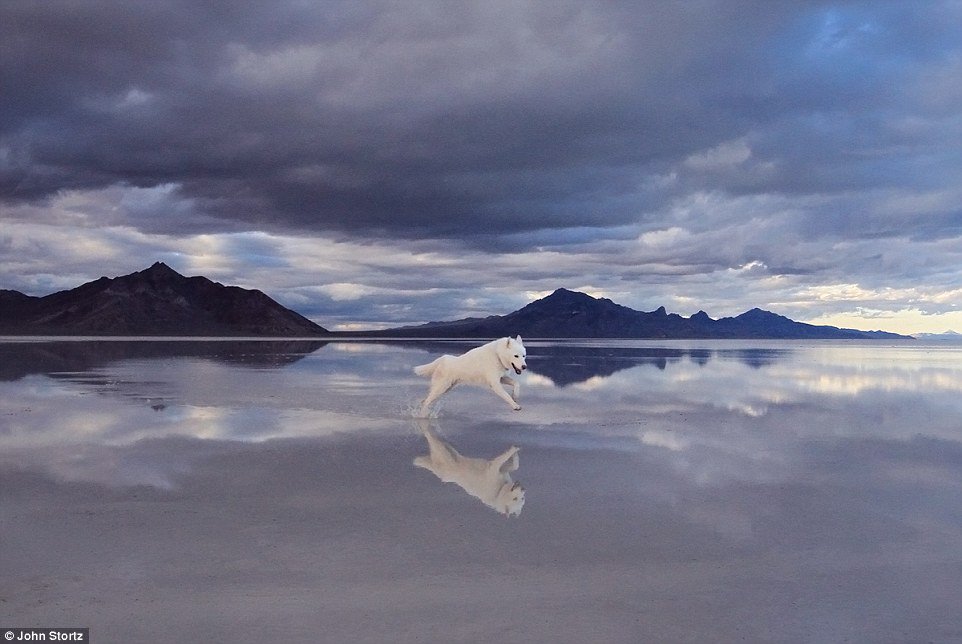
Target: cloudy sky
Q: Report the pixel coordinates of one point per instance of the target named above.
(371, 164)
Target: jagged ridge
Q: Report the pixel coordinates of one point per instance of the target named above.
(572, 314)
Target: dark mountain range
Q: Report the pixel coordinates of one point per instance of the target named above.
(160, 301)
(155, 301)
(570, 314)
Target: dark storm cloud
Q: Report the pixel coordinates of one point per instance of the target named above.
(447, 120)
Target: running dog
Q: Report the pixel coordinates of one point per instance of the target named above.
(489, 481)
(483, 366)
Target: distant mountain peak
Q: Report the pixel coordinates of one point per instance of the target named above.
(158, 270)
(565, 303)
(948, 336)
(155, 301)
(573, 314)
(160, 267)
(752, 313)
(566, 294)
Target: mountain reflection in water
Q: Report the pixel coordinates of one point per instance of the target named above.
(570, 364)
(22, 358)
(710, 492)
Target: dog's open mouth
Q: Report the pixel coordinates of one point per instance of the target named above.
(516, 370)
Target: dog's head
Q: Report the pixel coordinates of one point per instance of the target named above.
(510, 499)
(513, 353)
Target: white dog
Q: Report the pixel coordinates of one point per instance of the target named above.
(486, 480)
(484, 366)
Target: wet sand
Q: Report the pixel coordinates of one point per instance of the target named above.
(778, 495)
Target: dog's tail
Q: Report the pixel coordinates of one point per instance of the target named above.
(426, 369)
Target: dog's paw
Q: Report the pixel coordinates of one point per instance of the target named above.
(517, 408)
(424, 413)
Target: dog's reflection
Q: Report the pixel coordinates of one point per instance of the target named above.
(488, 480)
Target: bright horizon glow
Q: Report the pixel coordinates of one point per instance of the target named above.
(906, 322)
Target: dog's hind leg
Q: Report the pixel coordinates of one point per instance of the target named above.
(438, 388)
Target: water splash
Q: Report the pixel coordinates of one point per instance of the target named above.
(412, 409)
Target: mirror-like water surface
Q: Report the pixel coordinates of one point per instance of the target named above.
(648, 491)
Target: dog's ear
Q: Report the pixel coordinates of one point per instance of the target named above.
(518, 338)
(507, 342)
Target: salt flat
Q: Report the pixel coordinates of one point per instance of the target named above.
(675, 491)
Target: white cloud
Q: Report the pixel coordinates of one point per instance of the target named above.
(348, 291)
(664, 238)
(722, 156)
(374, 166)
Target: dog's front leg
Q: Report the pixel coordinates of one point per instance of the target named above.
(498, 389)
(515, 386)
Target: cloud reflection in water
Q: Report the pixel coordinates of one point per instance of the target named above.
(727, 407)
(807, 493)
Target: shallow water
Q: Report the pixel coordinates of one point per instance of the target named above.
(231, 491)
